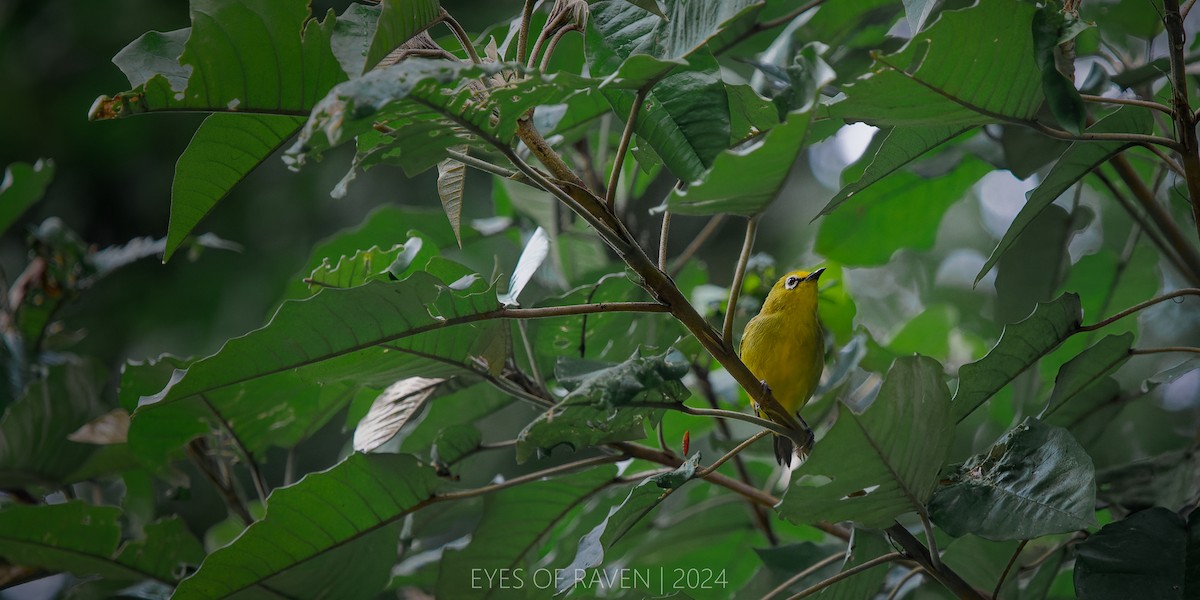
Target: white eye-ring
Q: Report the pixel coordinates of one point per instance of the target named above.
(791, 282)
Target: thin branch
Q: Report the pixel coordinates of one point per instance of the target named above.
(895, 593)
(523, 32)
(1011, 561)
(1185, 123)
(817, 566)
(663, 238)
(536, 475)
(934, 556)
(852, 571)
(720, 414)
(462, 36)
(739, 273)
(758, 28)
(1166, 349)
(1155, 237)
(944, 575)
(484, 165)
(1139, 306)
(662, 439)
(1161, 217)
(260, 485)
(701, 238)
(1166, 159)
(1186, 8)
(197, 452)
(732, 453)
(530, 356)
(1127, 101)
(614, 177)
(558, 36)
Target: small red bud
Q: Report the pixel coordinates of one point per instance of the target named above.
(687, 439)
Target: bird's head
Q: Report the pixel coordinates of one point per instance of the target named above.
(794, 292)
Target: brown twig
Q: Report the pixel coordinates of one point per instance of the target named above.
(1139, 306)
(1161, 217)
(850, 572)
(1004, 575)
(610, 193)
(1185, 122)
(462, 36)
(817, 566)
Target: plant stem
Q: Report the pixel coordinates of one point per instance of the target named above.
(914, 572)
(706, 232)
(732, 453)
(536, 475)
(739, 274)
(943, 574)
(1163, 247)
(1137, 307)
(1185, 122)
(934, 556)
(1159, 214)
(462, 36)
(718, 413)
(196, 451)
(558, 36)
(1127, 101)
(610, 193)
(260, 485)
(758, 28)
(523, 32)
(1166, 349)
(1004, 575)
(817, 566)
(852, 571)
(484, 165)
(663, 237)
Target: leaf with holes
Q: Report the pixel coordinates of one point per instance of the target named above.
(1036, 480)
(972, 66)
(84, 540)
(882, 463)
(392, 409)
(356, 502)
(514, 521)
(1020, 346)
(366, 265)
(608, 404)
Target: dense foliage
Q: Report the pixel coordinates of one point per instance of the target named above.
(536, 388)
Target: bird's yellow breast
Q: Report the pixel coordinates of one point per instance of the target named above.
(788, 352)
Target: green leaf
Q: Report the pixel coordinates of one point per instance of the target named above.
(970, 67)
(455, 442)
(368, 265)
(154, 53)
(1079, 160)
(865, 545)
(685, 117)
(641, 501)
(34, 449)
(902, 211)
(1036, 480)
(1141, 556)
(265, 56)
(749, 113)
(606, 404)
(305, 523)
(224, 150)
(399, 21)
(745, 181)
(632, 45)
(450, 183)
(900, 146)
(83, 539)
(23, 185)
(1171, 480)
(514, 521)
(878, 464)
(1020, 346)
(1091, 365)
(1049, 25)
(426, 110)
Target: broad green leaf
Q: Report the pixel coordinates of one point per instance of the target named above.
(1144, 555)
(606, 404)
(970, 67)
(1171, 480)
(745, 181)
(267, 56)
(83, 539)
(1091, 365)
(1079, 160)
(1036, 480)
(367, 265)
(1049, 26)
(392, 409)
(902, 211)
(876, 465)
(321, 514)
(685, 118)
(224, 150)
(641, 501)
(455, 442)
(865, 545)
(34, 449)
(749, 113)
(1020, 346)
(514, 521)
(980, 562)
(631, 45)
(424, 108)
(155, 53)
(450, 183)
(23, 185)
(398, 21)
(900, 146)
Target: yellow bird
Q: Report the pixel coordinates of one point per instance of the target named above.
(784, 346)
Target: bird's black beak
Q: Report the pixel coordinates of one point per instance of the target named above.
(815, 275)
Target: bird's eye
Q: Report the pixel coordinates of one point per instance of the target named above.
(791, 282)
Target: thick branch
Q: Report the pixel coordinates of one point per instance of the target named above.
(943, 574)
(1159, 214)
(1185, 123)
